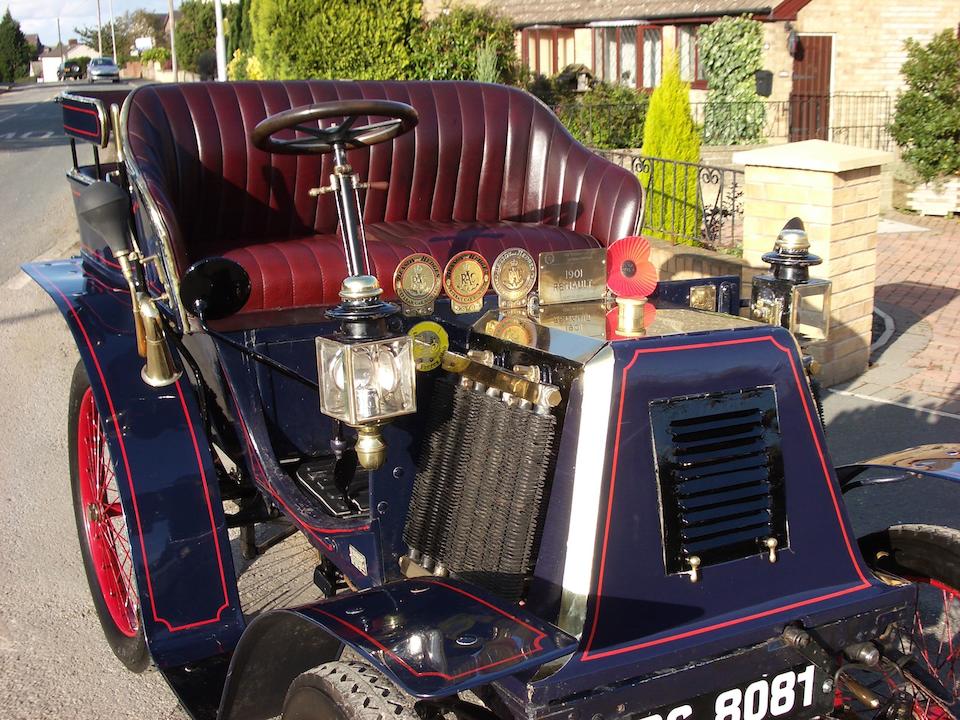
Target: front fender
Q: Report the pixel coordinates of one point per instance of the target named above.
(940, 462)
(432, 637)
(165, 474)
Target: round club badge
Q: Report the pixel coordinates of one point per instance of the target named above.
(513, 276)
(466, 279)
(417, 282)
(430, 342)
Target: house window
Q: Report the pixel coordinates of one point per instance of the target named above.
(547, 51)
(690, 68)
(628, 55)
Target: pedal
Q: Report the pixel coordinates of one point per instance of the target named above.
(340, 497)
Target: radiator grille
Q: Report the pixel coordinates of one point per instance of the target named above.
(478, 496)
(720, 475)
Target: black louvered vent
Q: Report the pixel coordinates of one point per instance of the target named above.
(721, 476)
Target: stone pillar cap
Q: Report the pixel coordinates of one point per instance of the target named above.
(818, 155)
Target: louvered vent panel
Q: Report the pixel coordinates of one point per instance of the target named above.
(720, 475)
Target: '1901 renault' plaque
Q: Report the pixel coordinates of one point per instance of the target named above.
(572, 276)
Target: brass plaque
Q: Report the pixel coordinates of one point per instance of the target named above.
(572, 276)
(466, 279)
(704, 297)
(513, 276)
(417, 282)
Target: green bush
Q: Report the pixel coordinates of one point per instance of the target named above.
(927, 120)
(731, 51)
(349, 39)
(608, 116)
(155, 54)
(446, 48)
(196, 32)
(672, 203)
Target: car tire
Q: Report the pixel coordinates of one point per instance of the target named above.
(346, 691)
(102, 529)
(929, 556)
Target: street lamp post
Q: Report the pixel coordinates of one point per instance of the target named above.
(99, 31)
(113, 34)
(173, 44)
(221, 44)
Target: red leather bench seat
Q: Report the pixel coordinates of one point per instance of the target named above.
(487, 168)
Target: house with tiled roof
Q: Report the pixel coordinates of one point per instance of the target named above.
(812, 47)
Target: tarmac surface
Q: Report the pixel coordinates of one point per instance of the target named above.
(53, 660)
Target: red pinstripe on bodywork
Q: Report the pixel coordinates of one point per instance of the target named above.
(129, 475)
(864, 583)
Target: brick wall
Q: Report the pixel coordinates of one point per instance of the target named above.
(868, 37)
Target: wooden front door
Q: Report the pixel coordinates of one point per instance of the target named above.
(810, 97)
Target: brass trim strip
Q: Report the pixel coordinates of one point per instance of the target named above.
(502, 380)
(587, 483)
(166, 266)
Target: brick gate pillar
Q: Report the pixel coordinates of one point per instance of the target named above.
(835, 189)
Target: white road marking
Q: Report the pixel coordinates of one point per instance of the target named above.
(37, 134)
(905, 406)
(8, 117)
(29, 108)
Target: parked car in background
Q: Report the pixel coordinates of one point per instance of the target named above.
(103, 69)
(69, 71)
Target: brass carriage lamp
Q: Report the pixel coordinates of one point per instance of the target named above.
(364, 383)
(788, 296)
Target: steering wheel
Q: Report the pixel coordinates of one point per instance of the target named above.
(401, 118)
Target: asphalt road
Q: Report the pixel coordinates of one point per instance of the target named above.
(53, 662)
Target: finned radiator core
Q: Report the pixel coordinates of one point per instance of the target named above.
(478, 498)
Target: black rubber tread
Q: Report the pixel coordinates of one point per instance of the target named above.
(131, 651)
(922, 551)
(346, 690)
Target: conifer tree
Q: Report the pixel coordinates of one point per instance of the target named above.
(672, 203)
(14, 50)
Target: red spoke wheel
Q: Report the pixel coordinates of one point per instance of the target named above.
(102, 528)
(929, 556)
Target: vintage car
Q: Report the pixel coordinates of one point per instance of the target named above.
(583, 495)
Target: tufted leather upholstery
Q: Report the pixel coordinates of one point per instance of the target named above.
(487, 168)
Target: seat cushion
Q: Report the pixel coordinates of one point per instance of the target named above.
(308, 270)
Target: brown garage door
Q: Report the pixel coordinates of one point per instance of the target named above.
(810, 96)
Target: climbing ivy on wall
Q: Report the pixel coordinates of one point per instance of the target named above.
(731, 51)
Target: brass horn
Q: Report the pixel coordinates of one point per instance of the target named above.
(159, 370)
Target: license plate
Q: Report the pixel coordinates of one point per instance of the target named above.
(788, 694)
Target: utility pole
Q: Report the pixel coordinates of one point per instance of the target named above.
(99, 30)
(221, 43)
(173, 44)
(63, 60)
(113, 33)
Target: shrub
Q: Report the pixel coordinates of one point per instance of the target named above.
(155, 54)
(731, 51)
(196, 33)
(672, 204)
(446, 48)
(608, 116)
(353, 39)
(927, 120)
(244, 67)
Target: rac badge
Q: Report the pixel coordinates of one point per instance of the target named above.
(466, 279)
(417, 282)
(513, 276)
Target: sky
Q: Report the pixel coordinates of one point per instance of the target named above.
(40, 16)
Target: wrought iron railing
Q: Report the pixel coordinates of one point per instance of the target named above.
(852, 118)
(688, 203)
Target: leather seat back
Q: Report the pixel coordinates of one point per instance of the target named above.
(481, 153)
